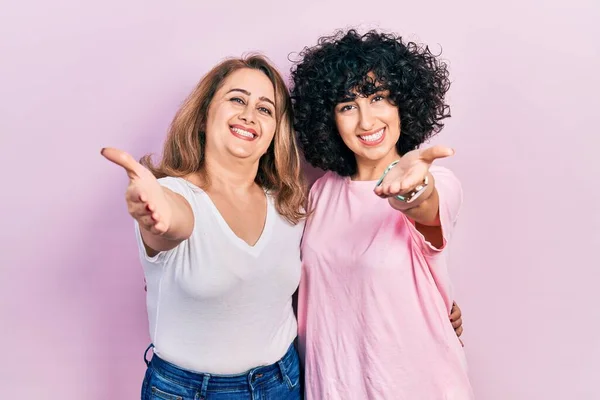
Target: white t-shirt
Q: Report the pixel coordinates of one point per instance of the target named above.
(216, 304)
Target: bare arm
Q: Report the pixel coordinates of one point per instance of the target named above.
(165, 218)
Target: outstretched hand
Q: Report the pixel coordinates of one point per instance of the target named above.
(146, 200)
(410, 171)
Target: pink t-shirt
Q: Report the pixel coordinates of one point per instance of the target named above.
(375, 298)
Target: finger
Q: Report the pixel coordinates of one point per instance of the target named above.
(159, 228)
(387, 189)
(135, 195)
(395, 187)
(146, 221)
(410, 183)
(139, 212)
(154, 228)
(457, 324)
(382, 190)
(456, 313)
(138, 209)
(455, 309)
(432, 153)
(410, 180)
(123, 160)
(459, 331)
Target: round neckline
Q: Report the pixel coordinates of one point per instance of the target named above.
(359, 182)
(351, 182)
(373, 182)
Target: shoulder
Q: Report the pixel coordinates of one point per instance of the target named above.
(173, 181)
(446, 179)
(443, 173)
(328, 180)
(322, 189)
(449, 190)
(180, 186)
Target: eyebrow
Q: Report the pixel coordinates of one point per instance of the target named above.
(247, 93)
(348, 99)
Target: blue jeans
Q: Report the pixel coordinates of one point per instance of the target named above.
(278, 381)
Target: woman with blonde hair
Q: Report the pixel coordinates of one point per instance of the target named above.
(218, 223)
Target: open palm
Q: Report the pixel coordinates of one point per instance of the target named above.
(410, 171)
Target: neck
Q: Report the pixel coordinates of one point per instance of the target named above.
(371, 170)
(229, 174)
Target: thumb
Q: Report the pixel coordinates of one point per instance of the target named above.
(432, 153)
(123, 160)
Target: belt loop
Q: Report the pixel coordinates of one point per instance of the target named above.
(146, 353)
(204, 387)
(250, 379)
(284, 373)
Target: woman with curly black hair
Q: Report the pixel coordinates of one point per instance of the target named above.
(375, 291)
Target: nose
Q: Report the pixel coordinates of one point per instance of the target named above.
(247, 115)
(367, 119)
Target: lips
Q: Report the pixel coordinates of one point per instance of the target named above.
(243, 133)
(372, 138)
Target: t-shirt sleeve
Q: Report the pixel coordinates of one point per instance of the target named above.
(313, 195)
(451, 197)
(181, 187)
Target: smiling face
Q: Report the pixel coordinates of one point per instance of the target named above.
(241, 120)
(369, 126)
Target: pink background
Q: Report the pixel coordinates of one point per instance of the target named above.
(76, 76)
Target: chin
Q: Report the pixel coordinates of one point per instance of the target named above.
(378, 153)
(243, 153)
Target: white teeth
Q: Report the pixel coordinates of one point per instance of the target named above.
(243, 133)
(373, 137)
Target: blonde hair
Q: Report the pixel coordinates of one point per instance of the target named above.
(279, 168)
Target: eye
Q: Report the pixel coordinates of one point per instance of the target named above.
(378, 97)
(265, 110)
(237, 100)
(347, 107)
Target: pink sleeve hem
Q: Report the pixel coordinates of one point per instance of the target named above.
(418, 238)
(451, 197)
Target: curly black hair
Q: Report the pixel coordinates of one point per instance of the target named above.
(340, 64)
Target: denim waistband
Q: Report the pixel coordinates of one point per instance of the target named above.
(206, 382)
